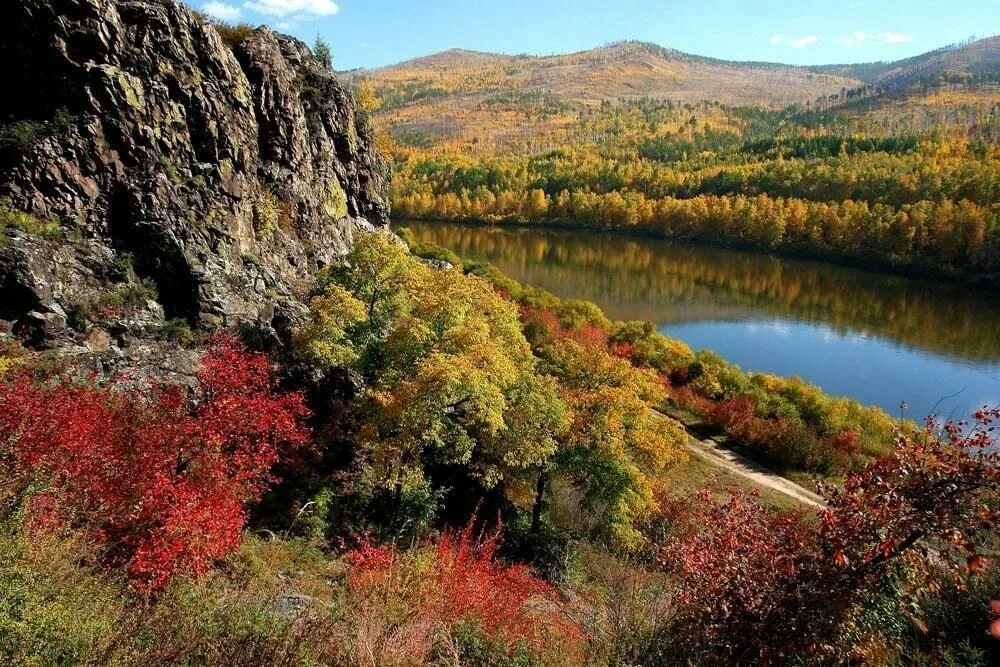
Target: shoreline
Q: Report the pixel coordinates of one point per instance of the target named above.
(873, 264)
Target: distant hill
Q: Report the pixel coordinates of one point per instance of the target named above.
(625, 69)
(964, 59)
(494, 103)
(641, 69)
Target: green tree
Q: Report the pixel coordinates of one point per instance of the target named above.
(321, 52)
(616, 445)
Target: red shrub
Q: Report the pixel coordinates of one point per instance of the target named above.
(466, 583)
(845, 443)
(587, 335)
(940, 484)
(737, 417)
(476, 586)
(622, 349)
(162, 484)
(777, 440)
(735, 566)
(731, 413)
(686, 398)
(540, 325)
(842, 449)
(760, 587)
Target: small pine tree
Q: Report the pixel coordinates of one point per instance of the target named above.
(322, 53)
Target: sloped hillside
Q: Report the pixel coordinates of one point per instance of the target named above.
(627, 69)
(487, 100)
(957, 61)
(489, 103)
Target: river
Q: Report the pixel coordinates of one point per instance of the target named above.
(879, 338)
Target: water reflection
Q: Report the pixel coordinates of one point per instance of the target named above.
(879, 338)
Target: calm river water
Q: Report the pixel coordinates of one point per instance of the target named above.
(878, 338)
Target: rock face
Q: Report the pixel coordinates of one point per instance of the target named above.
(194, 182)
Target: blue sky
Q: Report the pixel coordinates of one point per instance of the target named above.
(371, 33)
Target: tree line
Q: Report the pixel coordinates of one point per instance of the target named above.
(949, 236)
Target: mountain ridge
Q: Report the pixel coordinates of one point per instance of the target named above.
(626, 69)
(848, 70)
(484, 101)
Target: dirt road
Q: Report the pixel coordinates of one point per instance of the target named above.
(751, 471)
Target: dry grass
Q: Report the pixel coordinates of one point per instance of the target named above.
(688, 478)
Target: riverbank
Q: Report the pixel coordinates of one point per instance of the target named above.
(786, 424)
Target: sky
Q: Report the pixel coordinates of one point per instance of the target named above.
(373, 33)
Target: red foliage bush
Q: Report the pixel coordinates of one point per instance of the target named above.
(735, 565)
(842, 449)
(540, 325)
(688, 399)
(622, 349)
(540, 321)
(777, 440)
(760, 587)
(941, 484)
(588, 335)
(465, 582)
(729, 414)
(161, 482)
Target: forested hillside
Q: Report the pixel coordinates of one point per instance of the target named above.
(897, 170)
(966, 61)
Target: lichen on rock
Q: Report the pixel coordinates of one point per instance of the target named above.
(336, 201)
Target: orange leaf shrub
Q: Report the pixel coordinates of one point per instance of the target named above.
(459, 580)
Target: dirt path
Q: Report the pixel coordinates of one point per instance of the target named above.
(752, 471)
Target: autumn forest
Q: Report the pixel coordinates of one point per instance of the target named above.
(595, 358)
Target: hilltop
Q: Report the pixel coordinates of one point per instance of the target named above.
(625, 69)
(494, 102)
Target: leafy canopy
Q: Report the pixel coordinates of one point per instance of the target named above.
(447, 376)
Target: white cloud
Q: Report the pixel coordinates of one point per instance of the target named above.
(858, 37)
(803, 42)
(776, 39)
(296, 8)
(221, 10)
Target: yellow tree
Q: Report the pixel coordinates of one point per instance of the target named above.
(448, 379)
(368, 99)
(616, 445)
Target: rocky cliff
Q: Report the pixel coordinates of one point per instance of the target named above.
(180, 181)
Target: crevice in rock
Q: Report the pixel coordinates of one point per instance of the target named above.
(18, 298)
(155, 257)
